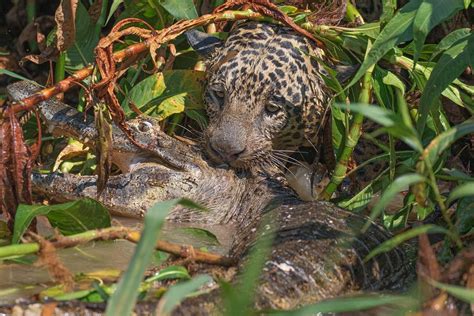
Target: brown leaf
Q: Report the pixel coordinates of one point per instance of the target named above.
(65, 17)
(427, 266)
(15, 167)
(35, 31)
(49, 54)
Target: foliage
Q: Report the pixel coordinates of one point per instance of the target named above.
(395, 64)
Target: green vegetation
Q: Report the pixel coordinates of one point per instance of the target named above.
(403, 84)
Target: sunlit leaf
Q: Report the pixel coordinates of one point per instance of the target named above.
(449, 40)
(169, 92)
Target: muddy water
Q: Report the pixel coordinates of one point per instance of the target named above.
(112, 257)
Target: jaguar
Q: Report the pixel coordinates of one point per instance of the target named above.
(265, 95)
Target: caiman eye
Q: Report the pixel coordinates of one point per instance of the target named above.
(144, 126)
(272, 108)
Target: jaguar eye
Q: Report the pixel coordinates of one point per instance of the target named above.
(272, 108)
(219, 93)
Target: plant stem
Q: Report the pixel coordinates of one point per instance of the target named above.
(352, 138)
(439, 200)
(30, 17)
(113, 233)
(59, 68)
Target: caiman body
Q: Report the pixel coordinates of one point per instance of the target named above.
(317, 252)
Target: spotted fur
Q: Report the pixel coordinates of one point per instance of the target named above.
(264, 93)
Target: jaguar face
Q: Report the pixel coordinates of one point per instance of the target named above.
(264, 93)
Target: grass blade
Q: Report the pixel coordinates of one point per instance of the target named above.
(409, 234)
(398, 30)
(430, 14)
(124, 298)
(400, 184)
(451, 64)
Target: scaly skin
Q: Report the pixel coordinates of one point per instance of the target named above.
(317, 254)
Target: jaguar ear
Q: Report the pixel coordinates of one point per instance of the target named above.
(203, 43)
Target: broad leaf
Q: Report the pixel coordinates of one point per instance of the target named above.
(169, 92)
(70, 218)
(180, 9)
(82, 51)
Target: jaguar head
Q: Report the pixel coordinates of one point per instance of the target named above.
(264, 93)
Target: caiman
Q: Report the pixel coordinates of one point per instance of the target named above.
(317, 253)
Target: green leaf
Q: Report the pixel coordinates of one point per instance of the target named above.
(430, 14)
(350, 304)
(177, 293)
(201, 235)
(14, 75)
(180, 9)
(463, 190)
(444, 140)
(82, 52)
(113, 8)
(124, 298)
(449, 40)
(392, 122)
(451, 64)
(401, 183)
(398, 30)
(465, 215)
(170, 273)
(70, 218)
(401, 238)
(461, 293)
(169, 92)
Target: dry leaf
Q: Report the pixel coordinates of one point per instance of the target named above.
(65, 17)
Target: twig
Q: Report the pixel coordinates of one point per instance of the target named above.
(113, 233)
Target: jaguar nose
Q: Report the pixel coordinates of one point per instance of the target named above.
(226, 152)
